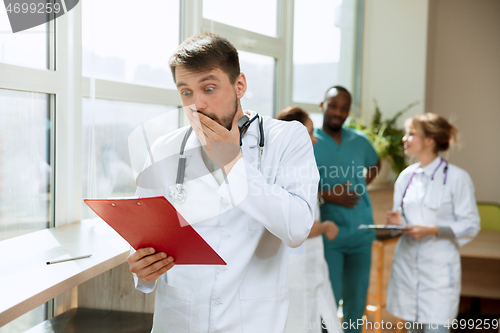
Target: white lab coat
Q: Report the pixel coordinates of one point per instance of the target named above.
(425, 279)
(248, 221)
(311, 294)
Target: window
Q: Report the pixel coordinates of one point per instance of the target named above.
(27, 48)
(259, 72)
(26, 140)
(258, 15)
(322, 60)
(132, 48)
(315, 55)
(260, 37)
(113, 123)
(24, 162)
(127, 53)
(132, 42)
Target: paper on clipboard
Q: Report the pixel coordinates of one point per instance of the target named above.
(154, 222)
(383, 227)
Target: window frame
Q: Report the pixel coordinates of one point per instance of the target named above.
(66, 86)
(47, 81)
(356, 61)
(280, 47)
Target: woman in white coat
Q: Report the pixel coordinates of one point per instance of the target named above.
(312, 306)
(435, 200)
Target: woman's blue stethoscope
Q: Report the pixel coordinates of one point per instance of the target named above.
(178, 194)
(400, 209)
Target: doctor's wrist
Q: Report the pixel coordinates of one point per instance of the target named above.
(445, 232)
(434, 231)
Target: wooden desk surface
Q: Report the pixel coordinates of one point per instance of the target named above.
(481, 265)
(26, 281)
(486, 245)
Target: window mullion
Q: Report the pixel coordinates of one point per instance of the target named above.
(130, 92)
(68, 116)
(191, 18)
(29, 79)
(284, 75)
(246, 40)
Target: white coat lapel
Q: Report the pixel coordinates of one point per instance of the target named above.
(435, 191)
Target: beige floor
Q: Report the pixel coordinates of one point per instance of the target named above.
(382, 202)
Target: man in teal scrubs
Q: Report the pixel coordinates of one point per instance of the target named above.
(347, 162)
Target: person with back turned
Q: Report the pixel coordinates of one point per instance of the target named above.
(312, 303)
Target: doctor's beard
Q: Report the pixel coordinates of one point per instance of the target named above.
(332, 126)
(226, 121)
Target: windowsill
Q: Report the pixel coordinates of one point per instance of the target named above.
(26, 281)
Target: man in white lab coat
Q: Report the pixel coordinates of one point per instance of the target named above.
(249, 209)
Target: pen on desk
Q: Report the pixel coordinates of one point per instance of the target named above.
(67, 259)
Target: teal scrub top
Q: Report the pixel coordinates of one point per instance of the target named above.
(338, 164)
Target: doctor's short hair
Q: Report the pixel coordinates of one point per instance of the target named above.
(293, 113)
(206, 51)
(430, 125)
(339, 88)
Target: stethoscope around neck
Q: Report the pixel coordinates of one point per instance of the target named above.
(179, 194)
(445, 171)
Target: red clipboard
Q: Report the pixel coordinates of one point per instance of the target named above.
(154, 222)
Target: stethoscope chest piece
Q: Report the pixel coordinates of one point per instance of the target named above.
(178, 194)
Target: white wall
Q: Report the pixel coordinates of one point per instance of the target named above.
(463, 83)
(394, 56)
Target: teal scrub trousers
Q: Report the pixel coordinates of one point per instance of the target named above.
(349, 254)
(350, 276)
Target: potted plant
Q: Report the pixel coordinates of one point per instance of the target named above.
(385, 136)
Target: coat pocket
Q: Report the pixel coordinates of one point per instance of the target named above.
(264, 308)
(444, 276)
(172, 309)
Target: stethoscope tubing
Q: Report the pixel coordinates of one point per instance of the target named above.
(181, 166)
(432, 179)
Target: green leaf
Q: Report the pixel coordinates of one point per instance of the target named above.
(385, 136)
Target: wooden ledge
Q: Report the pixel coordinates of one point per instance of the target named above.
(91, 320)
(26, 281)
(486, 245)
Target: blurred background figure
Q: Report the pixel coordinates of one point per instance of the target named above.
(312, 303)
(436, 201)
(347, 163)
